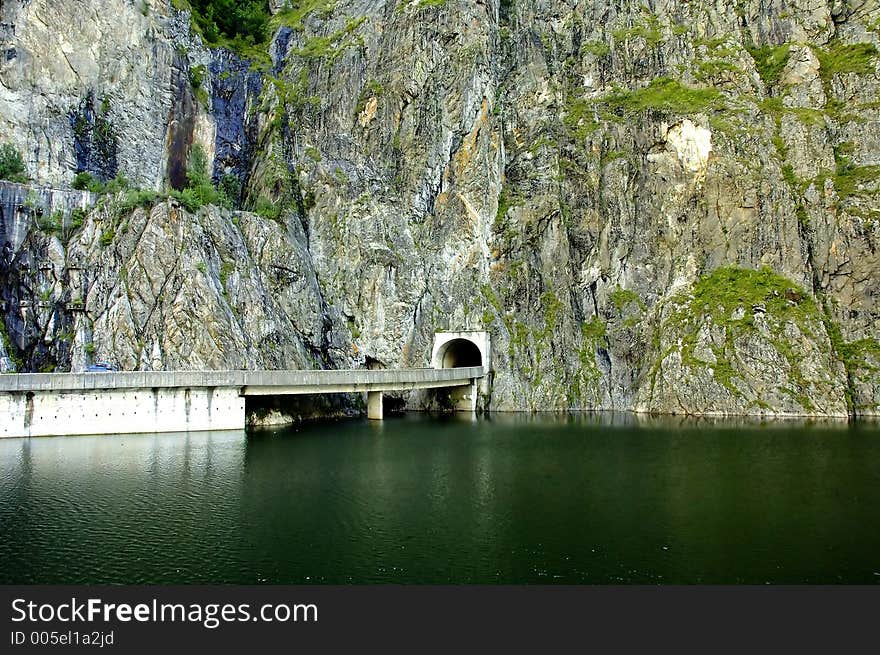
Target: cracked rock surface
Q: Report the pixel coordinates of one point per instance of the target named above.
(664, 207)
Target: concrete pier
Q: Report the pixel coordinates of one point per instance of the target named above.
(374, 406)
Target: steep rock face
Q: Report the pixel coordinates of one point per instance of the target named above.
(565, 172)
(743, 341)
(165, 289)
(665, 208)
(22, 206)
(210, 290)
(71, 65)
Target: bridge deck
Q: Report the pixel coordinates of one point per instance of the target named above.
(251, 383)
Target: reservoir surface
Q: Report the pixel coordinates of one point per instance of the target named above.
(574, 499)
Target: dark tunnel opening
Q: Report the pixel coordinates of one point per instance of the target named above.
(461, 353)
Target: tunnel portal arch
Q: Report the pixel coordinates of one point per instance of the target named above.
(460, 349)
(459, 353)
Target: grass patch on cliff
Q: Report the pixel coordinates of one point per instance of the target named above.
(710, 69)
(857, 354)
(506, 200)
(226, 269)
(598, 49)
(506, 230)
(809, 117)
(372, 89)
(840, 58)
(419, 5)
(663, 94)
(730, 298)
(51, 223)
(585, 381)
(727, 289)
(628, 305)
(297, 11)
(9, 346)
(197, 76)
(621, 298)
(332, 45)
(107, 237)
(581, 117)
(133, 198)
(267, 208)
(717, 60)
(851, 179)
(770, 61)
(85, 181)
(200, 190)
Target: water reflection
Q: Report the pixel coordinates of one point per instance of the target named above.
(584, 498)
(669, 422)
(77, 508)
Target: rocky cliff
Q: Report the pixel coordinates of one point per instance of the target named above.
(659, 206)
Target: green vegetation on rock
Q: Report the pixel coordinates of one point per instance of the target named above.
(726, 289)
(731, 299)
(197, 76)
(649, 30)
(621, 298)
(107, 237)
(295, 13)
(85, 181)
(770, 62)
(580, 118)
(593, 337)
(840, 58)
(596, 48)
(8, 346)
(133, 198)
(50, 223)
(372, 89)
(850, 179)
(200, 190)
(858, 355)
(664, 94)
(419, 4)
(332, 45)
(12, 165)
(229, 22)
(124, 196)
(268, 209)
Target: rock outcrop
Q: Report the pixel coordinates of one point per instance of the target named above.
(670, 209)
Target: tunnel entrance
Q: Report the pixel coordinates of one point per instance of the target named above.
(461, 349)
(460, 353)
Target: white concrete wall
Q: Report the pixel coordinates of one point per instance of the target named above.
(45, 413)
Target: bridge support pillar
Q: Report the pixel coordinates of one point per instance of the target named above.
(374, 405)
(464, 399)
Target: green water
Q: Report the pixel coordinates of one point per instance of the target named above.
(512, 499)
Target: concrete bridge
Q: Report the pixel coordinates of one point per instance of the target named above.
(42, 404)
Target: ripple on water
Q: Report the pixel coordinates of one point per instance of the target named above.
(445, 502)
